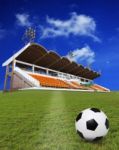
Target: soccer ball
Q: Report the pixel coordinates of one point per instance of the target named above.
(92, 124)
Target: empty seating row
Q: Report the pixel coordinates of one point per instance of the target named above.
(51, 82)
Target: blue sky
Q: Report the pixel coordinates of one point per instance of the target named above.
(88, 28)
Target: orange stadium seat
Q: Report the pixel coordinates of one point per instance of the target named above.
(98, 88)
(51, 82)
(79, 86)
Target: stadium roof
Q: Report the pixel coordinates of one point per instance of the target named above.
(36, 54)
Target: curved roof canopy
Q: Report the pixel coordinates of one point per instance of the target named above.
(36, 54)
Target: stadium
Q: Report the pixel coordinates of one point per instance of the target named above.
(58, 59)
(35, 67)
(49, 92)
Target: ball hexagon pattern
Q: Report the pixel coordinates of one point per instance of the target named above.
(92, 124)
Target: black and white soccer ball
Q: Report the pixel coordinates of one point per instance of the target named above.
(92, 124)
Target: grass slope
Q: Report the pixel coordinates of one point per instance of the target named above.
(44, 120)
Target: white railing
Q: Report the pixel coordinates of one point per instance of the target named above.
(59, 74)
(27, 77)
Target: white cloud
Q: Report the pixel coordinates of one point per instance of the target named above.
(78, 25)
(81, 55)
(23, 20)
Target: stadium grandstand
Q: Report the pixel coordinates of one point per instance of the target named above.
(35, 67)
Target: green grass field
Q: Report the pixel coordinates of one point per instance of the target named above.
(44, 120)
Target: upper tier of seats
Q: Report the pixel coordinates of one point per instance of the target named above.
(51, 82)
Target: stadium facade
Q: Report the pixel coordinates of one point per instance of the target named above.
(34, 67)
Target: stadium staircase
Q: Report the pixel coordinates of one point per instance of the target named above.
(25, 77)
